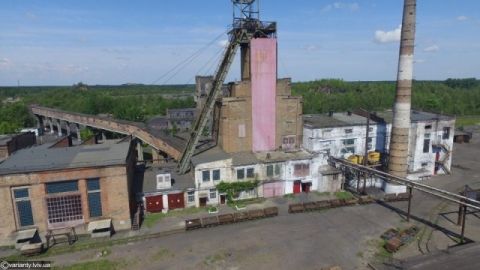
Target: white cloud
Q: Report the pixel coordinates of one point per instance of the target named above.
(341, 5)
(462, 18)
(388, 36)
(419, 61)
(4, 61)
(433, 48)
(311, 47)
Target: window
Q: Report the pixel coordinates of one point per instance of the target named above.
(64, 186)
(348, 130)
(369, 139)
(427, 135)
(216, 175)
(250, 173)
(24, 207)
(94, 197)
(64, 208)
(348, 141)
(191, 196)
(426, 145)
(370, 129)
(240, 173)
(428, 126)
(213, 193)
(277, 169)
(301, 170)
(269, 170)
(288, 142)
(205, 176)
(446, 133)
(424, 164)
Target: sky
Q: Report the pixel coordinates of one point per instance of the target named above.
(122, 41)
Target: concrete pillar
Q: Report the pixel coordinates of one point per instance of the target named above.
(40, 125)
(59, 128)
(104, 137)
(155, 156)
(67, 124)
(77, 130)
(50, 123)
(398, 156)
(139, 150)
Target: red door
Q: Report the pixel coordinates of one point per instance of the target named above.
(297, 186)
(154, 203)
(176, 201)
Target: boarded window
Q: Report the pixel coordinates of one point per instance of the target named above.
(301, 170)
(241, 131)
(216, 175)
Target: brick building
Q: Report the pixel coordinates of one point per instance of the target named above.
(52, 186)
(13, 142)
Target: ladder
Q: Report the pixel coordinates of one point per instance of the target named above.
(207, 109)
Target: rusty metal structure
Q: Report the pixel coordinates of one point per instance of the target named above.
(398, 156)
(463, 200)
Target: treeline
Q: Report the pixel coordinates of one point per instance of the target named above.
(453, 96)
(130, 102)
(140, 102)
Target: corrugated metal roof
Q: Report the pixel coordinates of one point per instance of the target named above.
(336, 120)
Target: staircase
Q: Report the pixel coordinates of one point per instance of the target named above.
(445, 157)
(136, 219)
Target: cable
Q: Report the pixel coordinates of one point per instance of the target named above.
(189, 59)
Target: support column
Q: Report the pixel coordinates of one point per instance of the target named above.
(104, 137)
(464, 214)
(139, 150)
(155, 156)
(40, 125)
(59, 128)
(50, 122)
(67, 124)
(77, 129)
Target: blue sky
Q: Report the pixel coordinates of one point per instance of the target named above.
(113, 42)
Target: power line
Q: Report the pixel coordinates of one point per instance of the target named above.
(177, 68)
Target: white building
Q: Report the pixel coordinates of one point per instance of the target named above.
(278, 173)
(344, 134)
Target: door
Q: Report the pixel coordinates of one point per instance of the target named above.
(222, 199)
(274, 189)
(306, 187)
(176, 201)
(203, 201)
(154, 203)
(297, 186)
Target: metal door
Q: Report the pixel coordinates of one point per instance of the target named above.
(154, 203)
(176, 201)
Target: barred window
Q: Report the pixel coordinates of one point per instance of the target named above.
(64, 208)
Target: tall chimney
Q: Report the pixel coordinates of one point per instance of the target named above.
(398, 159)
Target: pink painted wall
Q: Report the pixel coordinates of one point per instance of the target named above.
(263, 70)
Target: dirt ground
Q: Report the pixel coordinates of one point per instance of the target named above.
(348, 237)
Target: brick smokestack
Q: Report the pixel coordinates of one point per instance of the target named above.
(398, 159)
